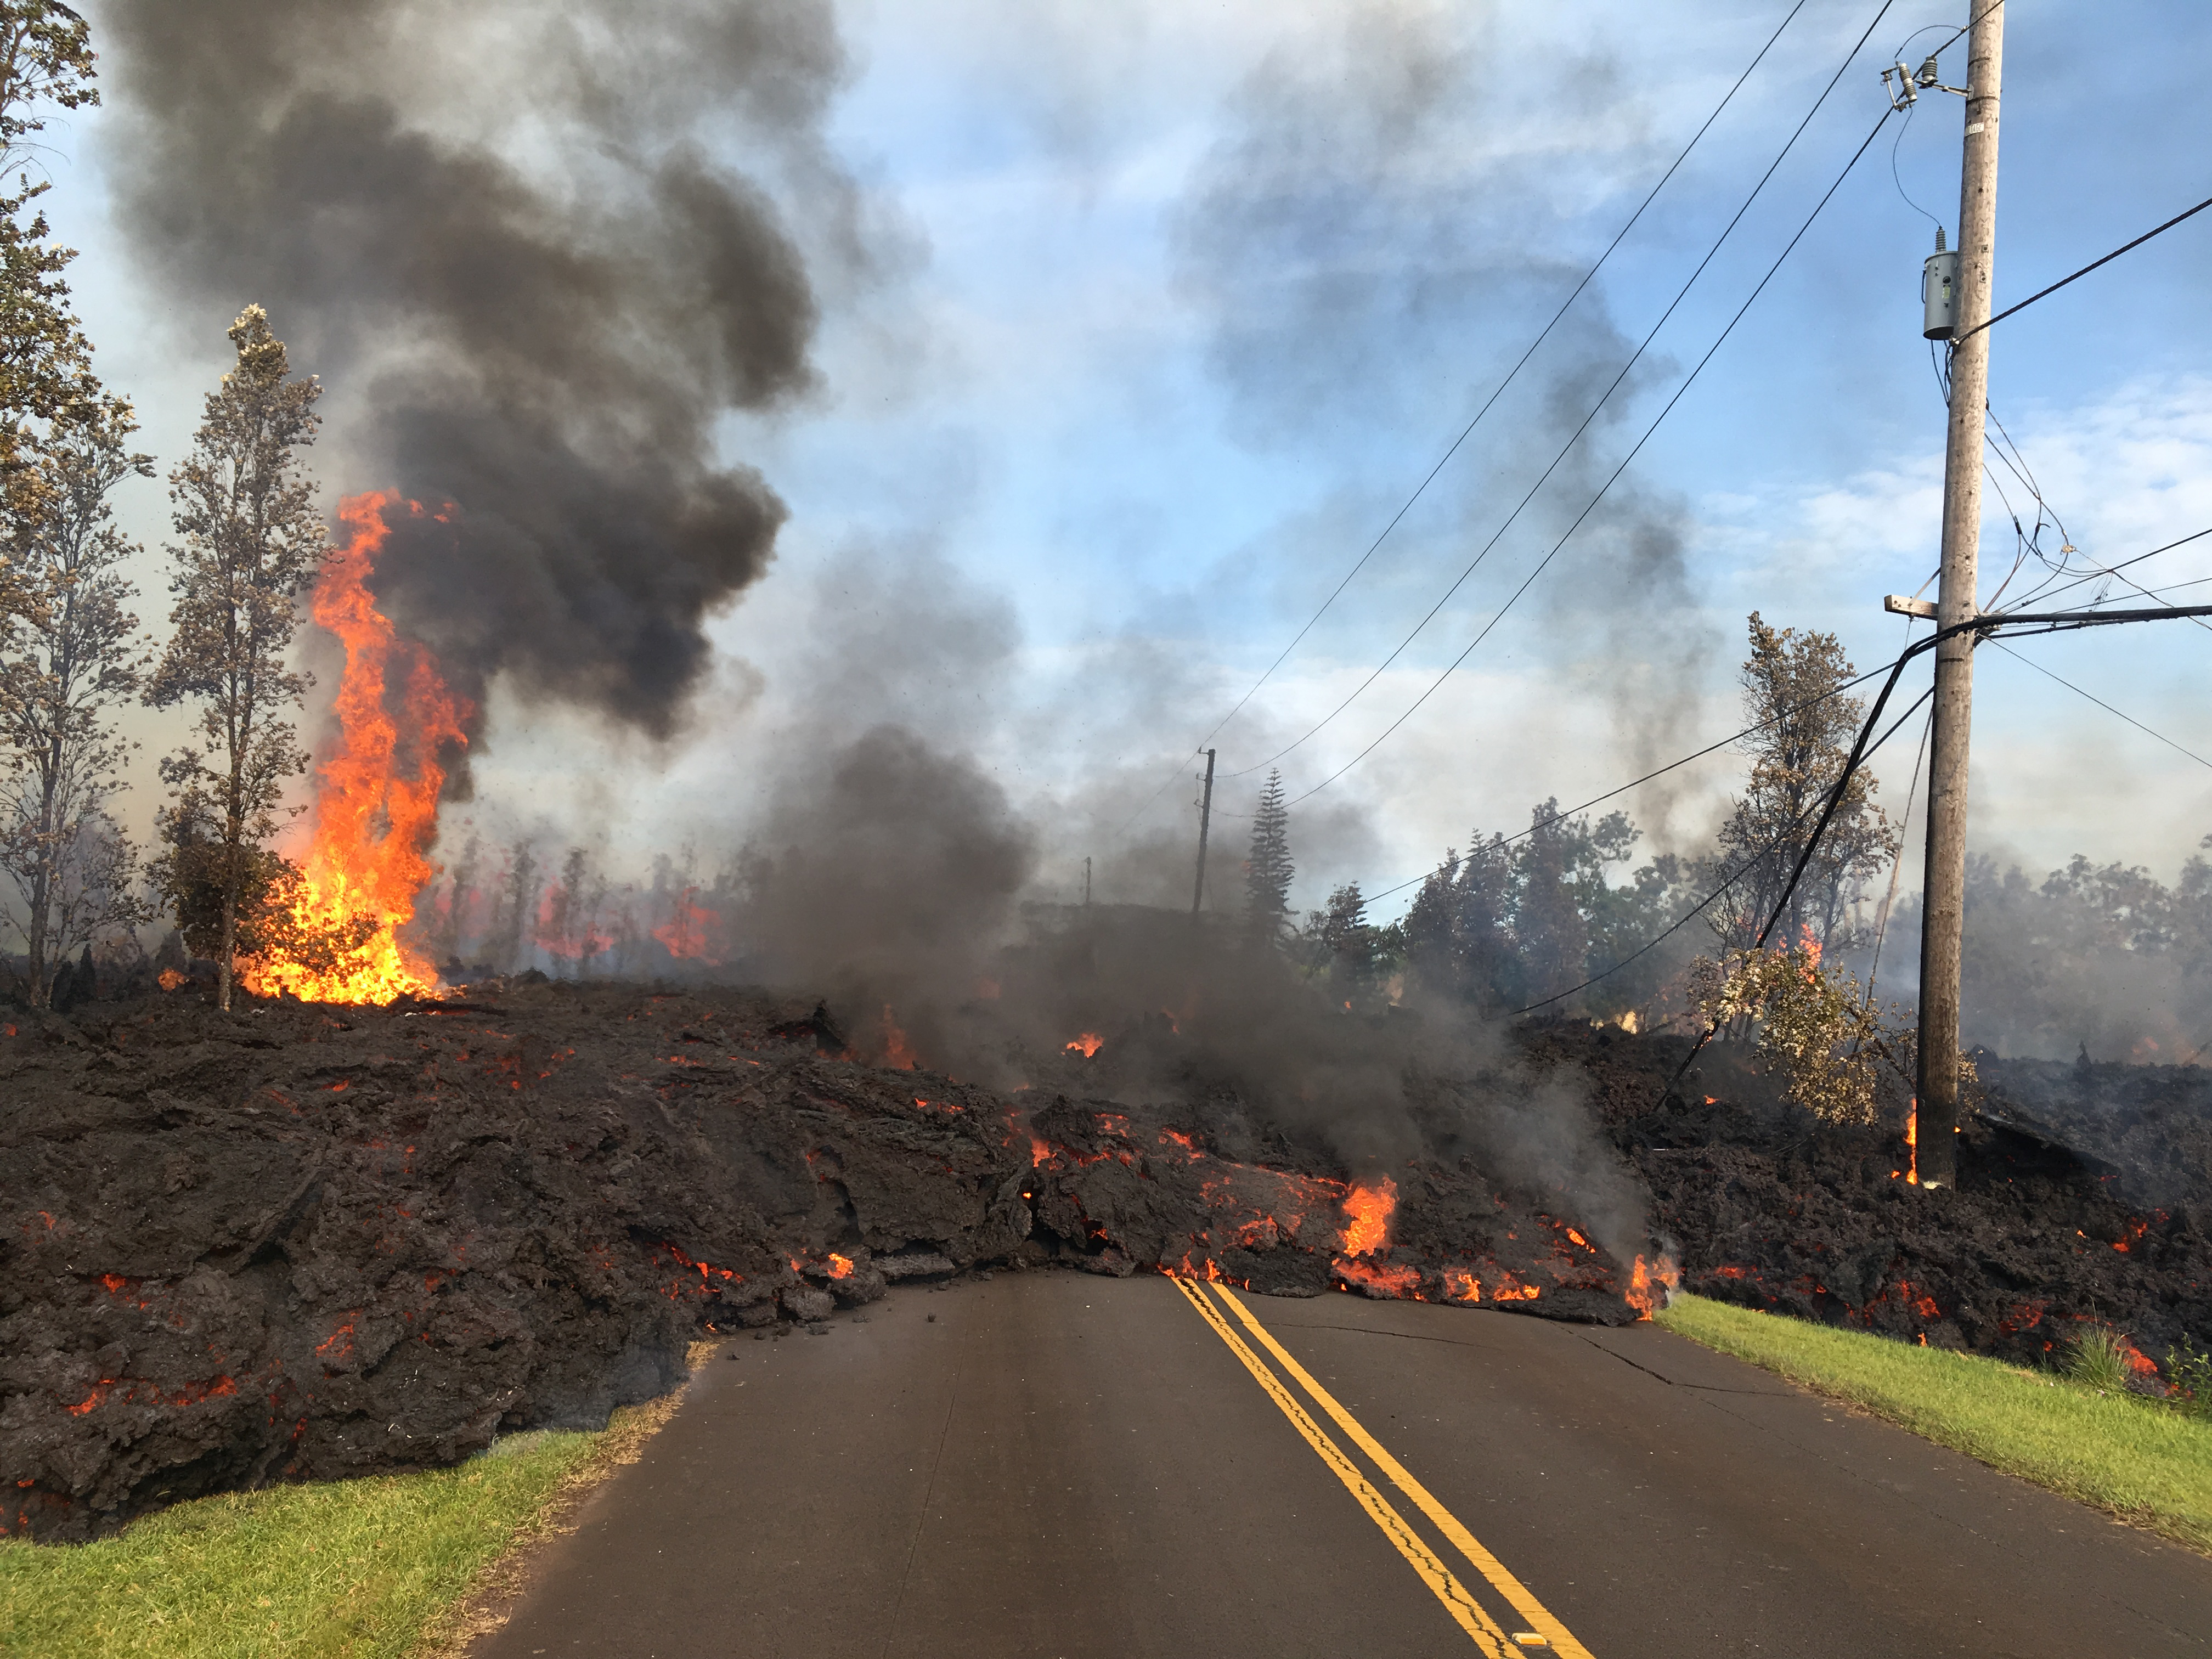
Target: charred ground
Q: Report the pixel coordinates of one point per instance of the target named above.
(301, 1242)
(296, 1243)
(2084, 1194)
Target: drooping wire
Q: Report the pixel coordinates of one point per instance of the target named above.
(2102, 704)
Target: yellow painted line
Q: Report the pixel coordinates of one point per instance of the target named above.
(1465, 1610)
(1524, 1599)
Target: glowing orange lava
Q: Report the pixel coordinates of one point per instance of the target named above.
(898, 1053)
(840, 1267)
(376, 796)
(1087, 1045)
(1368, 1207)
(1652, 1285)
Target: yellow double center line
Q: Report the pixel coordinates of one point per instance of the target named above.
(1468, 1614)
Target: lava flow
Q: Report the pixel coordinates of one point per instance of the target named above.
(376, 795)
(1652, 1285)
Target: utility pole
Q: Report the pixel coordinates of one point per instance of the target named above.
(1205, 822)
(1087, 883)
(1957, 601)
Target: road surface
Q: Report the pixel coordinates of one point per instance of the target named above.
(1078, 1467)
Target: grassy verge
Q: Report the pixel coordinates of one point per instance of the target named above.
(2129, 1456)
(389, 1566)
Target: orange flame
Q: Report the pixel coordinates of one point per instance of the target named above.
(898, 1053)
(1652, 1285)
(1369, 1208)
(1912, 1142)
(1461, 1285)
(685, 932)
(376, 804)
(170, 978)
(1087, 1045)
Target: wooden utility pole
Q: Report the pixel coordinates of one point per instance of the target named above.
(1086, 883)
(1957, 601)
(1205, 821)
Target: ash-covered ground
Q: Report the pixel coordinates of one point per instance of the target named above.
(2084, 1194)
(303, 1242)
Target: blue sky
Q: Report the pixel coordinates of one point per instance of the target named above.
(1169, 307)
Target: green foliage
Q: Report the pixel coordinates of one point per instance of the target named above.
(1268, 870)
(1513, 923)
(2189, 1371)
(1792, 693)
(2118, 1452)
(2097, 1358)
(356, 1566)
(250, 539)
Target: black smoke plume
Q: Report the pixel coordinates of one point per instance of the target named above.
(513, 241)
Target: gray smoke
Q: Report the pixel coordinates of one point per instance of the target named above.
(1375, 238)
(514, 243)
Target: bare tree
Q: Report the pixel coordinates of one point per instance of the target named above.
(251, 539)
(67, 660)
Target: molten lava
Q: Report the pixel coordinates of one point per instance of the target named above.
(1368, 1207)
(840, 1266)
(1652, 1285)
(376, 795)
(1087, 1044)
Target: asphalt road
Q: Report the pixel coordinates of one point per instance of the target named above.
(1064, 1466)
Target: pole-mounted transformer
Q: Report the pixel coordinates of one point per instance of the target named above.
(1939, 292)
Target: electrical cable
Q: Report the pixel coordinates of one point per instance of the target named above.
(1576, 436)
(2045, 293)
(1544, 564)
(1859, 759)
(1565, 305)
(1597, 800)
(2102, 704)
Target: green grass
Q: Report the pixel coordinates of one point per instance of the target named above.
(2132, 1457)
(350, 1567)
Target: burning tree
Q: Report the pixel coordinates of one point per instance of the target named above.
(67, 660)
(252, 539)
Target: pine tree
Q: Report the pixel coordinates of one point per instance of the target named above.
(1268, 870)
(66, 661)
(251, 539)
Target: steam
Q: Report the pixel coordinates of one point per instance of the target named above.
(535, 310)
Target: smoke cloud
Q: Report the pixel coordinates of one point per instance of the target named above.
(1374, 238)
(515, 244)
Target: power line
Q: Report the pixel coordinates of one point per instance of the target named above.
(2101, 703)
(1598, 801)
(1576, 436)
(1858, 759)
(1465, 432)
(2045, 293)
(1544, 562)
